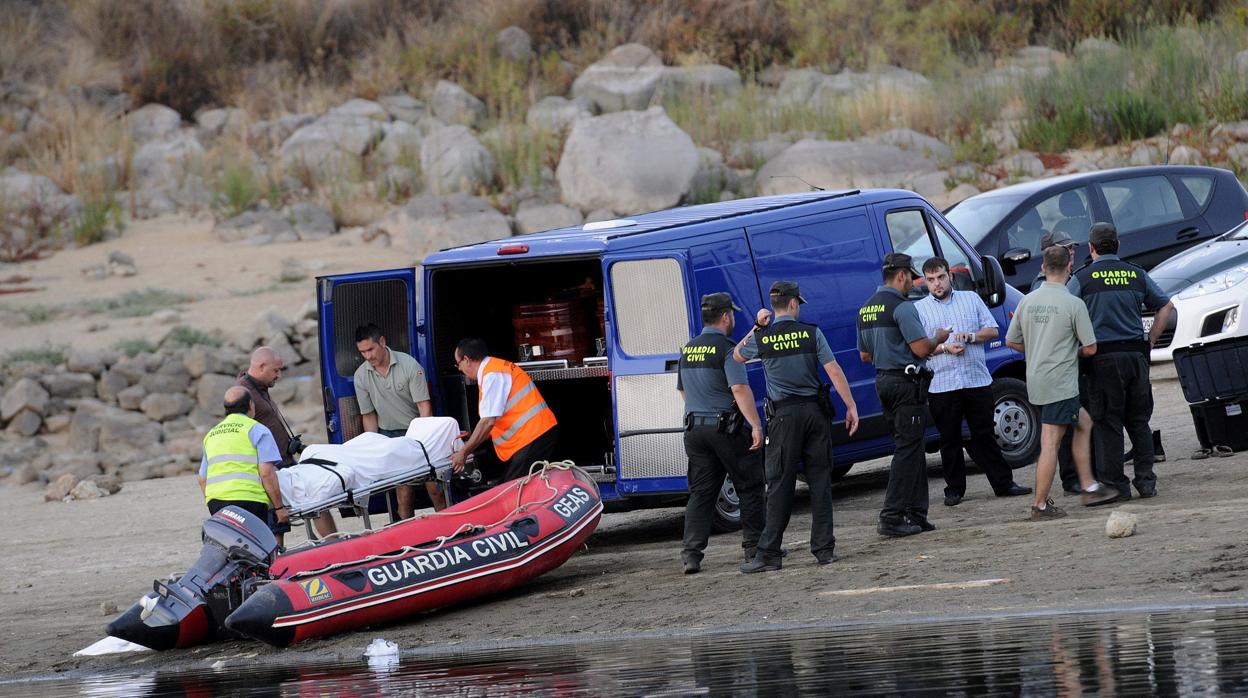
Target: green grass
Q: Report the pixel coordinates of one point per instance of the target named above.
(134, 347)
(48, 354)
(185, 337)
(37, 314)
(99, 214)
(137, 303)
(238, 189)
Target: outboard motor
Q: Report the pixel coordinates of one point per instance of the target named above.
(238, 549)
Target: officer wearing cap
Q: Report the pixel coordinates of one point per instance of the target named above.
(1046, 241)
(723, 434)
(1120, 392)
(799, 422)
(891, 336)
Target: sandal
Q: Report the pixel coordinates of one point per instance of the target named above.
(1201, 453)
(1223, 451)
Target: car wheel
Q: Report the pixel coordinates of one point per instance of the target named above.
(1017, 422)
(727, 509)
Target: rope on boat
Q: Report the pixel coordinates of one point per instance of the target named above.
(537, 470)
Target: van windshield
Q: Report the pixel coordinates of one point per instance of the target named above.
(978, 215)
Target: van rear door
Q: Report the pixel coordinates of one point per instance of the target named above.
(650, 319)
(345, 302)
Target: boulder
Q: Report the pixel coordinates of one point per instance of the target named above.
(1238, 155)
(1033, 56)
(266, 324)
(210, 392)
(715, 81)
(59, 488)
(284, 391)
(152, 122)
(110, 384)
(310, 221)
(514, 44)
(1186, 155)
(164, 406)
(18, 188)
(554, 114)
(365, 108)
(69, 385)
(907, 139)
(131, 398)
(404, 108)
(890, 84)
(625, 79)
(711, 177)
(840, 165)
(428, 223)
(453, 105)
(174, 379)
(280, 343)
(532, 219)
(1093, 46)
(166, 316)
(753, 154)
(1023, 164)
(214, 122)
(600, 214)
(87, 489)
(330, 146)
(24, 474)
(162, 164)
(256, 226)
(628, 162)
(109, 483)
(150, 202)
(798, 86)
(399, 144)
(57, 423)
(118, 436)
(1145, 154)
(25, 394)
(453, 160)
(1121, 524)
(89, 360)
(25, 423)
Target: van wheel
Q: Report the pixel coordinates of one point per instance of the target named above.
(839, 471)
(1017, 422)
(727, 509)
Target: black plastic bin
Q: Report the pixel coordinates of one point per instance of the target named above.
(1214, 371)
(1222, 423)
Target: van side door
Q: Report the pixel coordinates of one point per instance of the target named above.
(344, 302)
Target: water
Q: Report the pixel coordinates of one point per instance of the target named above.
(1170, 652)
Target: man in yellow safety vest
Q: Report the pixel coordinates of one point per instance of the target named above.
(238, 468)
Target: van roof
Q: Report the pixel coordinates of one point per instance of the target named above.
(598, 238)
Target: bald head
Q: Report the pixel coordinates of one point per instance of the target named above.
(237, 400)
(266, 366)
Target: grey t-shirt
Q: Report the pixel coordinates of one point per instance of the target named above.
(707, 373)
(394, 396)
(1051, 324)
(887, 338)
(791, 375)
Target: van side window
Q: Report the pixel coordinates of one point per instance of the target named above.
(1141, 202)
(908, 232)
(651, 317)
(959, 263)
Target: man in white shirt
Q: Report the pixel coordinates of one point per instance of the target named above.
(962, 387)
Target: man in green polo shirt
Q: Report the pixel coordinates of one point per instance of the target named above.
(1050, 325)
(391, 389)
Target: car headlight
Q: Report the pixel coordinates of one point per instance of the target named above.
(1218, 282)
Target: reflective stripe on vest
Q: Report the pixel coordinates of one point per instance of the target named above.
(233, 462)
(525, 414)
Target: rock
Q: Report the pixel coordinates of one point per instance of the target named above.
(453, 160)
(1235, 130)
(715, 81)
(753, 154)
(428, 223)
(891, 85)
(121, 269)
(18, 188)
(166, 316)
(210, 392)
(108, 608)
(628, 162)
(284, 391)
(840, 165)
(87, 490)
(907, 139)
(404, 108)
(164, 406)
(600, 214)
(365, 108)
(281, 344)
(930, 185)
(532, 219)
(266, 324)
(151, 202)
(1121, 524)
(24, 474)
(57, 423)
(159, 164)
(1238, 155)
(1093, 46)
(119, 257)
(1180, 130)
(152, 122)
(958, 193)
(25, 423)
(401, 182)
(214, 122)
(59, 488)
(118, 436)
(111, 484)
(1023, 164)
(453, 105)
(131, 398)
(255, 225)
(69, 385)
(514, 44)
(311, 222)
(26, 394)
(174, 379)
(330, 146)
(1145, 154)
(798, 86)
(625, 79)
(95, 272)
(554, 114)
(711, 177)
(1186, 155)
(292, 271)
(399, 144)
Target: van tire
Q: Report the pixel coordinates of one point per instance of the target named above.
(727, 509)
(1017, 422)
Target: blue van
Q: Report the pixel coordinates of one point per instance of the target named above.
(619, 414)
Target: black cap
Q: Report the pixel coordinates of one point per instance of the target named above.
(786, 289)
(1102, 232)
(719, 301)
(899, 260)
(1054, 238)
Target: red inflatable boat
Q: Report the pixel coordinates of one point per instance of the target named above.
(487, 544)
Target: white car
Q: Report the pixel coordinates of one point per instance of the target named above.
(1207, 286)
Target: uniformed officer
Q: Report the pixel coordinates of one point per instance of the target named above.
(799, 422)
(723, 434)
(1121, 394)
(891, 336)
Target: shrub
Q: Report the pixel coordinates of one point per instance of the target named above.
(137, 303)
(48, 354)
(237, 189)
(134, 347)
(1133, 115)
(99, 214)
(37, 314)
(184, 337)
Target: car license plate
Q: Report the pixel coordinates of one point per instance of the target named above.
(1148, 323)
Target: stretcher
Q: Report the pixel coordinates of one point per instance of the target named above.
(348, 475)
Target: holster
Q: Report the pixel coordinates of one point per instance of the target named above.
(823, 398)
(769, 408)
(730, 422)
(688, 421)
(925, 381)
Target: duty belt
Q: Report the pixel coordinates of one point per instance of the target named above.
(699, 421)
(909, 371)
(795, 400)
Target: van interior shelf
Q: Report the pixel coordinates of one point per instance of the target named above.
(561, 374)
